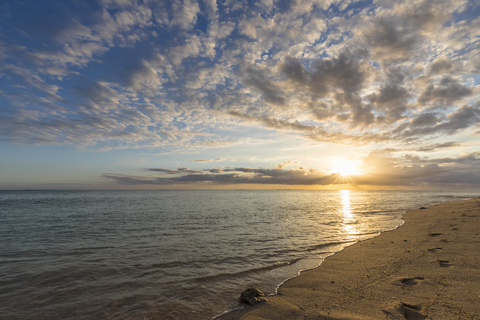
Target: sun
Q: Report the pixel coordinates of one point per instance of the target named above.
(346, 167)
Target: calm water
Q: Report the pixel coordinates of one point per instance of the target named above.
(174, 254)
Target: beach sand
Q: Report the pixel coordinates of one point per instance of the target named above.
(428, 268)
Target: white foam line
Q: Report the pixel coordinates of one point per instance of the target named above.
(228, 311)
(300, 271)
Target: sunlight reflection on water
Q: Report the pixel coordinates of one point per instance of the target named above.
(172, 254)
(349, 220)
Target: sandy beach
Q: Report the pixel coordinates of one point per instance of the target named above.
(429, 268)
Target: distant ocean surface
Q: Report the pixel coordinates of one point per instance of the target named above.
(175, 254)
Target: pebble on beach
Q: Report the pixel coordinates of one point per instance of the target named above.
(252, 296)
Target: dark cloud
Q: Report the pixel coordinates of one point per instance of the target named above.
(182, 170)
(391, 94)
(391, 40)
(462, 118)
(320, 110)
(396, 38)
(272, 123)
(472, 159)
(361, 114)
(459, 171)
(300, 176)
(99, 95)
(440, 66)
(294, 70)
(428, 119)
(343, 73)
(141, 76)
(446, 92)
(392, 98)
(429, 124)
(380, 168)
(257, 79)
(327, 75)
(434, 147)
(341, 78)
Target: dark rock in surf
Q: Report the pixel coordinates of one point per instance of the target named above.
(252, 296)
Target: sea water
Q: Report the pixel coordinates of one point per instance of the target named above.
(175, 254)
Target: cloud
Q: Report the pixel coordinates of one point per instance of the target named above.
(390, 40)
(207, 160)
(437, 146)
(7, 49)
(239, 175)
(428, 123)
(286, 163)
(397, 35)
(326, 75)
(380, 168)
(316, 133)
(143, 77)
(383, 169)
(191, 48)
(30, 78)
(182, 14)
(257, 79)
(440, 66)
(446, 92)
(195, 75)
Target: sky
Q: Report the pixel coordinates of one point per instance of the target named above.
(275, 94)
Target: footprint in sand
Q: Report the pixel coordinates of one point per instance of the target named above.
(445, 263)
(434, 234)
(412, 312)
(412, 281)
(405, 311)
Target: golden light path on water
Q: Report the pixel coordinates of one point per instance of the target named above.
(348, 217)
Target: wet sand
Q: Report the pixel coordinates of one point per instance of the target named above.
(427, 269)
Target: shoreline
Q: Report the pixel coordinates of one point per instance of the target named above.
(428, 268)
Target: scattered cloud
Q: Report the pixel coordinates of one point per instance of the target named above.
(437, 146)
(380, 169)
(239, 175)
(383, 72)
(208, 160)
(286, 163)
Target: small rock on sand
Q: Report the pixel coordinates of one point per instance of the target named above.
(252, 296)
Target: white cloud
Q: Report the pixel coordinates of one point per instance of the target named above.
(28, 77)
(140, 71)
(184, 13)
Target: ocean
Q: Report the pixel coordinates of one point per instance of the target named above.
(175, 254)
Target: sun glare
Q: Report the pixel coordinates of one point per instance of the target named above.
(346, 167)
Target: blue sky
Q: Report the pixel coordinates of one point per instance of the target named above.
(124, 94)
